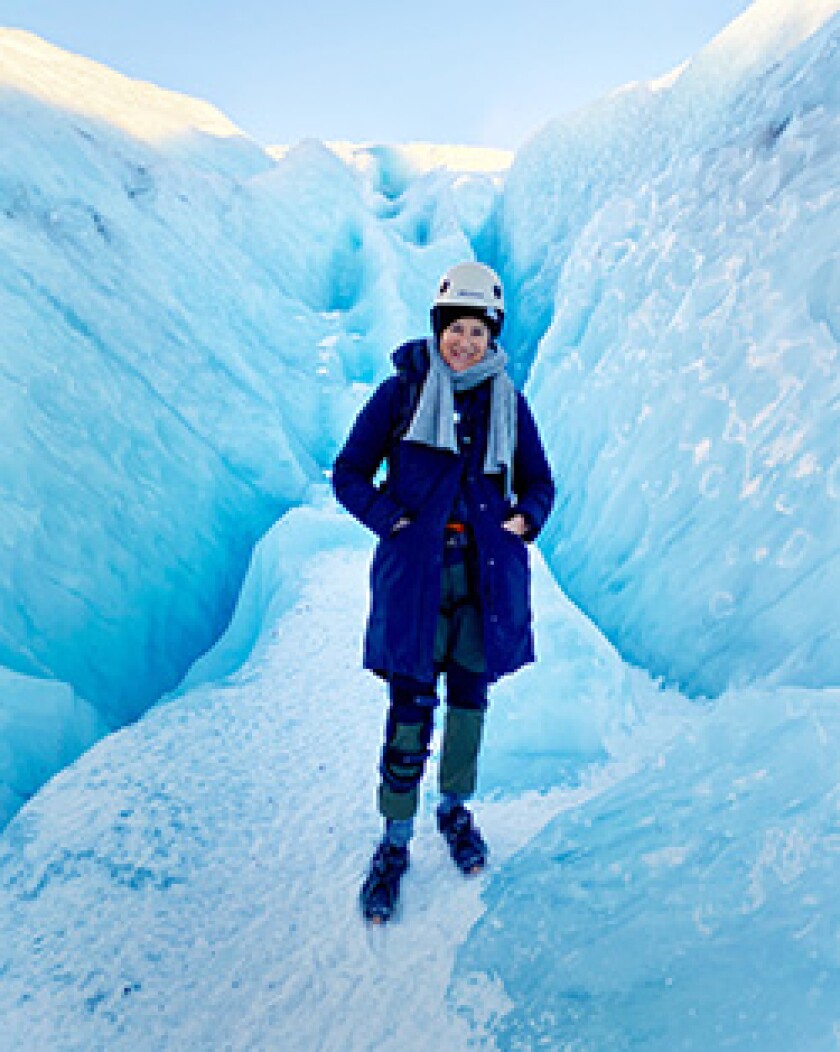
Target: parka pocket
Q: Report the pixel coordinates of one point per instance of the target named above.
(511, 581)
(388, 548)
(394, 570)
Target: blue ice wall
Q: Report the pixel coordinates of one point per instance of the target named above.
(690, 907)
(189, 328)
(685, 254)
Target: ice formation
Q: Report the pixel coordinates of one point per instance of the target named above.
(189, 325)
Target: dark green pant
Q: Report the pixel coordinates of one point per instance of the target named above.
(459, 656)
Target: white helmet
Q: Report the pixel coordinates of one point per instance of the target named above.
(471, 290)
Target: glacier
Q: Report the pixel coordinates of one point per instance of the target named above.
(187, 744)
(682, 281)
(184, 323)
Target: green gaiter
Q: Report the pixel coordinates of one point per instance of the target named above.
(461, 744)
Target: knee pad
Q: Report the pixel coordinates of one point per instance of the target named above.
(401, 770)
(406, 750)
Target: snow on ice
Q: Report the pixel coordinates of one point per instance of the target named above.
(189, 325)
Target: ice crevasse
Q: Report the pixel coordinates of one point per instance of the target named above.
(190, 323)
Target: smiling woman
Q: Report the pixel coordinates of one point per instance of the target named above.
(467, 485)
(463, 343)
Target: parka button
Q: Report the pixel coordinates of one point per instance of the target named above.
(491, 562)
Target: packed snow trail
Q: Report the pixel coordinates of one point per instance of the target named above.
(192, 881)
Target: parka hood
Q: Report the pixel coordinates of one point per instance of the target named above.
(412, 359)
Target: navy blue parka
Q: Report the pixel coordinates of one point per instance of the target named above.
(422, 484)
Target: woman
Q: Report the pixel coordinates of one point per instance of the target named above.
(467, 486)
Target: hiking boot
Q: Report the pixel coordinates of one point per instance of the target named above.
(466, 845)
(381, 888)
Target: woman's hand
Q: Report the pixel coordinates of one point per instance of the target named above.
(516, 524)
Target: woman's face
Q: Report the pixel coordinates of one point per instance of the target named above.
(464, 343)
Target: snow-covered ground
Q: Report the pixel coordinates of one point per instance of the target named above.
(189, 325)
(192, 881)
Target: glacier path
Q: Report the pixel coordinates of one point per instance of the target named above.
(191, 881)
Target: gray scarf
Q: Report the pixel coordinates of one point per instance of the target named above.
(433, 423)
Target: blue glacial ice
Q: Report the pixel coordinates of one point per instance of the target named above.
(690, 906)
(188, 328)
(189, 325)
(687, 374)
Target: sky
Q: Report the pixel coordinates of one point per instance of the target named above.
(480, 72)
